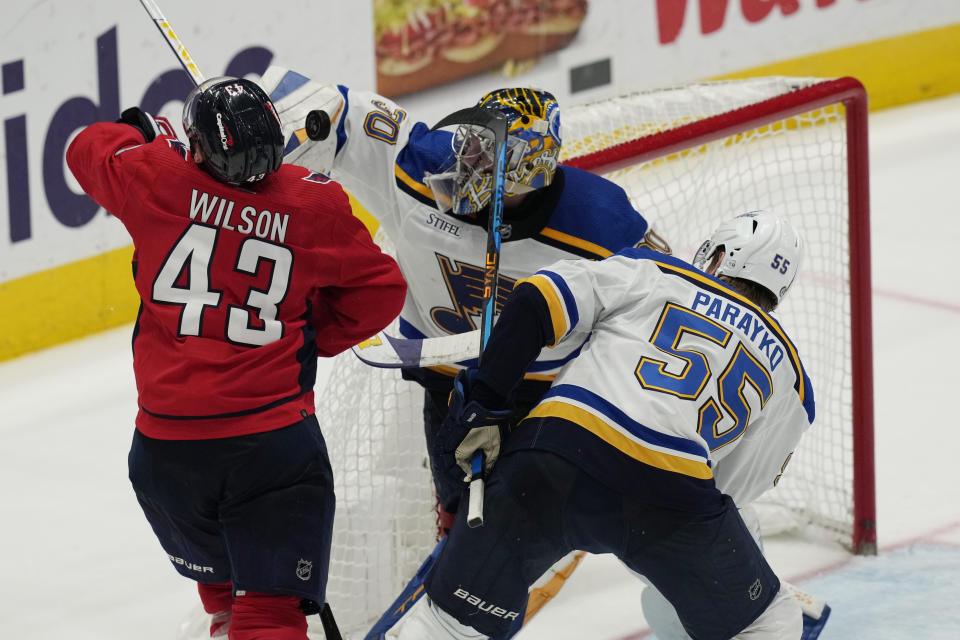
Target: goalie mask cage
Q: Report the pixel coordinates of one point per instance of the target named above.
(689, 157)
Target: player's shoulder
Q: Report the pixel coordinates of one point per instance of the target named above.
(593, 217)
(164, 154)
(170, 148)
(297, 188)
(586, 186)
(299, 183)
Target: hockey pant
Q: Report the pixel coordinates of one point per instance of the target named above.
(254, 511)
(539, 507)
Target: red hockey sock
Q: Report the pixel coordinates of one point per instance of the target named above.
(217, 600)
(262, 616)
(445, 521)
(216, 597)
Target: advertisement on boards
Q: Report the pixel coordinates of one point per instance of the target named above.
(66, 65)
(423, 43)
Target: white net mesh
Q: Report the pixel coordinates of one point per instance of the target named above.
(385, 523)
(796, 167)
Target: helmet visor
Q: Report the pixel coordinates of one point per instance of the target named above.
(465, 186)
(708, 256)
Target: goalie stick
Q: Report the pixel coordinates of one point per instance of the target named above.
(497, 124)
(330, 629)
(386, 351)
(317, 126)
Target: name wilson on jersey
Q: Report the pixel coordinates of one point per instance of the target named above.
(736, 316)
(262, 224)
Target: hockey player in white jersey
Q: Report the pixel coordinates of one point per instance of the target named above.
(430, 195)
(686, 383)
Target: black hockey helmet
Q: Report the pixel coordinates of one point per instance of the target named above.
(233, 124)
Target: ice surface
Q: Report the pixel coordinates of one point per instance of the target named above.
(80, 561)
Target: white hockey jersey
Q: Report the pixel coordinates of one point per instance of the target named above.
(680, 372)
(382, 157)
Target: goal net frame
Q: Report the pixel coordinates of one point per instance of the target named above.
(852, 95)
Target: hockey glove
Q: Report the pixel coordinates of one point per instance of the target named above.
(149, 126)
(470, 427)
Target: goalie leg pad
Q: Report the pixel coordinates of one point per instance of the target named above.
(549, 585)
(813, 626)
(411, 594)
(426, 621)
(779, 621)
(815, 610)
(483, 574)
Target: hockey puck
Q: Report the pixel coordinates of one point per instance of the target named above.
(318, 125)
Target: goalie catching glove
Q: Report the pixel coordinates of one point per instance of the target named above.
(470, 426)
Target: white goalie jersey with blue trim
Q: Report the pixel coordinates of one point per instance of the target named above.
(383, 158)
(680, 372)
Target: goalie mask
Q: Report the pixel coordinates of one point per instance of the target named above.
(233, 124)
(758, 246)
(465, 186)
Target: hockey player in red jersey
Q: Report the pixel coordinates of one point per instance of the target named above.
(247, 270)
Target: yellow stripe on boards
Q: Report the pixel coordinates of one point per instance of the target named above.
(67, 302)
(87, 296)
(371, 223)
(895, 71)
(79, 298)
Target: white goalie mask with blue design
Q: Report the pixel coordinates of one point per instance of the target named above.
(758, 246)
(465, 186)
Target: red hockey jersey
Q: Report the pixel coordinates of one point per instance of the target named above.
(241, 289)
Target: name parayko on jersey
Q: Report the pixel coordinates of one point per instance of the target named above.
(755, 329)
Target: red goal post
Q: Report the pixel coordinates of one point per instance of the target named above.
(688, 157)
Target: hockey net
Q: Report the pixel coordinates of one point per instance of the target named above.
(689, 157)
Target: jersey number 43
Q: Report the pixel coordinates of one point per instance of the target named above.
(192, 256)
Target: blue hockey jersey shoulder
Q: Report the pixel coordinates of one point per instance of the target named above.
(426, 152)
(593, 217)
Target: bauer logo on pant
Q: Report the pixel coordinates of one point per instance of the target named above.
(304, 569)
(482, 605)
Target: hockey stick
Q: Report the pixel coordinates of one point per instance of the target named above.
(496, 123)
(330, 629)
(186, 60)
(386, 351)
